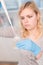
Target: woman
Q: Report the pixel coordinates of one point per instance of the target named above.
(31, 29)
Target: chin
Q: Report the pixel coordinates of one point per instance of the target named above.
(29, 28)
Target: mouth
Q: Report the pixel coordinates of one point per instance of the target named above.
(27, 25)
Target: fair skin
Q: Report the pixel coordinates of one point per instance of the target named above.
(29, 20)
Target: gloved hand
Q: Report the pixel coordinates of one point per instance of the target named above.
(24, 44)
(29, 45)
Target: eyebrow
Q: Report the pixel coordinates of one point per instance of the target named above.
(29, 15)
(26, 16)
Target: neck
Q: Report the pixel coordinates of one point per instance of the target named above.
(34, 33)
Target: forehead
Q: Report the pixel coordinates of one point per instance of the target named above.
(27, 11)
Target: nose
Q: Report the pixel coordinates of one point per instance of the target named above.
(26, 20)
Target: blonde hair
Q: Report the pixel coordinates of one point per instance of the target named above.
(33, 6)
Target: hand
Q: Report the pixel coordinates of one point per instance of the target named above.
(24, 44)
(29, 45)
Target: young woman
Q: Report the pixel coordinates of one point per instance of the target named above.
(31, 30)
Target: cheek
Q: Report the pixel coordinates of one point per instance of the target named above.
(22, 21)
(34, 21)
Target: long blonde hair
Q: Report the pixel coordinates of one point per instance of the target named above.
(32, 5)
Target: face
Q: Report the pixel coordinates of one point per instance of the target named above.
(28, 18)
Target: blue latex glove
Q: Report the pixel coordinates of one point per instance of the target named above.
(24, 44)
(29, 45)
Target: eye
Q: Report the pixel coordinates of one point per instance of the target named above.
(22, 18)
(29, 16)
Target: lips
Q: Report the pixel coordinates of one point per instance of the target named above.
(27, 25)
